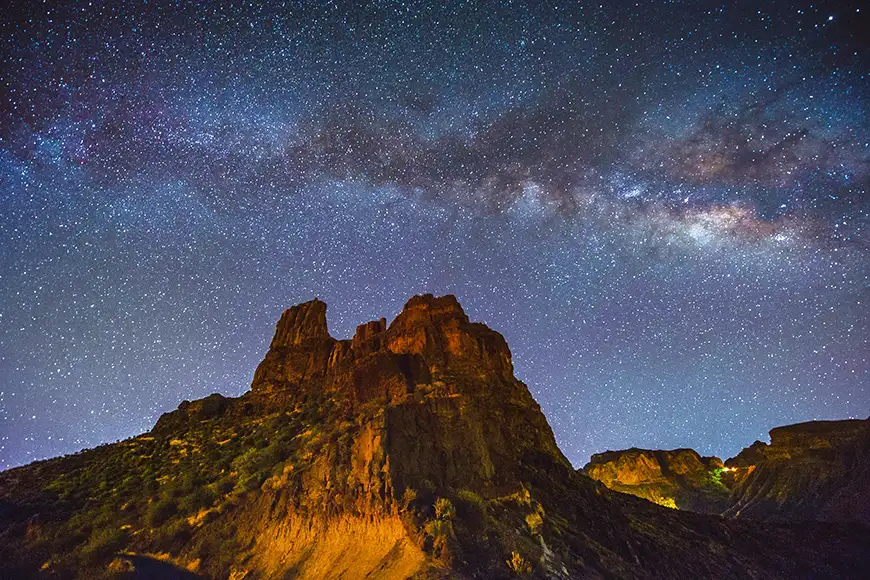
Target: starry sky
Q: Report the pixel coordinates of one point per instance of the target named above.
(662, 206)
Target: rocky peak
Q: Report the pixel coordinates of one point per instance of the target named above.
(299, 353)
(439, 330)
(748, 456)
(301, 323)
(817, 434)
(368, 337)
(813, 439)
(430, 367)
(426, 310)
(816, 470)
(642, 466)
(430, 340)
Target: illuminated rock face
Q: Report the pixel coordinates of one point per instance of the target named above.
(680, 478)
(810, 471)
(432, 371)
(409, 450)
(430, 342)
(300, 350)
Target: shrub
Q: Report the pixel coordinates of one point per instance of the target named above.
(444, 509)
(223, 486)
(408, 497)
(535, 521)
(471, 507)
(190, 481)
(249, 482)
(519, 565)
(160, 511)
(103, 544)
(438, 528)
(172, 536)
(198, 498)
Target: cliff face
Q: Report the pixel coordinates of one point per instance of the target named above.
(679, 479)
(810, 471)
(441, 385)
(409, 450)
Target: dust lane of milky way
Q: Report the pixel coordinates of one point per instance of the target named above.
(663, 207)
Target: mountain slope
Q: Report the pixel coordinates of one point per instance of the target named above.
(410, 450)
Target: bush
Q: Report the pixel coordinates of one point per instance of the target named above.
(444, 509)
(197, 499)
(519, 565)
(223, 486)
(439, 528)
(535, 521)
(471, 507)
(249, 482)
(408, 497)
(172, 536)
(103, 544)
(160, 511)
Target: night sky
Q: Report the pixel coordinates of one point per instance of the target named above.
(663, 207)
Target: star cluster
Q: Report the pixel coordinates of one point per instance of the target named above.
(663, 206)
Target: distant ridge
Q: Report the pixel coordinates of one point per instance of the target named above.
(819, 470)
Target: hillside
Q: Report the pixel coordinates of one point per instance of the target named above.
(410, 450)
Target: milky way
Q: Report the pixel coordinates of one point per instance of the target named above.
(663, 207)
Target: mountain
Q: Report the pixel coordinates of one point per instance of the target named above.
(410, 450)
(810, 471)
(818, 470)
(680, 478)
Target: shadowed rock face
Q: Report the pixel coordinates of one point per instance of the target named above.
(409, 450)
(810, 471)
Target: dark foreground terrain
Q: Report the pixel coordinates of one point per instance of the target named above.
(409, 451)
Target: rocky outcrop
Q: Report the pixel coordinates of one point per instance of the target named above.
(444, 384)
(192, 412)
(409, 450)
(810, 471)
(300, 351)
(680, 478)
(303, 324)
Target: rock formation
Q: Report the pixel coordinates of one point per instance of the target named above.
(410, 450)
(680, 478)
(810, 471)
